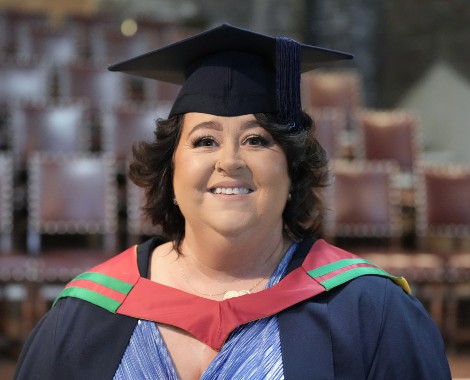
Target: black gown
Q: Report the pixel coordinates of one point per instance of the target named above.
(366, 328)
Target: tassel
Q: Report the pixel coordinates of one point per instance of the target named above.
(288, 83)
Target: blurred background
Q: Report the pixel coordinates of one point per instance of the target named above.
(394, 123)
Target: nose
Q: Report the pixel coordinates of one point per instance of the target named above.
(230, 159)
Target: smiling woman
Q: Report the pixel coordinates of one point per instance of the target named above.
(240, 288)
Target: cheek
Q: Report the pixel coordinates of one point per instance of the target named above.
(180, 171)
(274, 174)
(189, 172)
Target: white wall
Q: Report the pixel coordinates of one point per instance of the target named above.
(442, 101)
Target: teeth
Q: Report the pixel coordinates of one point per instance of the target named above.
(230, 190)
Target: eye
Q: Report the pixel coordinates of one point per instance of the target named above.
(256, 140)
(204, 141)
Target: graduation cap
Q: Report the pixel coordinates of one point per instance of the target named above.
(229, 71)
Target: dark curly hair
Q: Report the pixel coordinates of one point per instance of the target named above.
(152, 169)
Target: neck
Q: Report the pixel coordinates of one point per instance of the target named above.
(226, 259)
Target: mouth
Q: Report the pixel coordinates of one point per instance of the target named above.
(230, 190)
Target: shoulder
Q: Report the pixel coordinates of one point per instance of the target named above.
(76, 331)
(369, 288)
(364, 326)
(332, 266)
(369, 298)
(70, 334)
(133, 259)
(365, 298)
(392, 330)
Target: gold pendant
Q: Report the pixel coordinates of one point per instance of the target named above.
(233, 293)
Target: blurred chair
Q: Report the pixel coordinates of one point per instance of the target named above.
(17, 271)
(333, 88)
(443, 227)
(138, 225)
(125, 125)
(11, 23)
(92, 82)
(59, 45)
(21, 80)
(72, 222)
(363, 204)
(25, 80)
(111, 45)
(121, 127)
(60, 126)
(6, 203)
(18, 280)
(393, 135)
(88, 26)
(71, 194)
(389, 135)
(54, 126)
(330, 131)
(443, 206)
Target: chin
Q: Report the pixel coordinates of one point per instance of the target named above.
(232, 230)
(234, 225)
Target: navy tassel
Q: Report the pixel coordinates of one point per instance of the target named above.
(288, 82)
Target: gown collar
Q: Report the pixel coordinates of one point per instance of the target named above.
(119, 286)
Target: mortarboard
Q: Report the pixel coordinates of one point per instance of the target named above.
(229, 71)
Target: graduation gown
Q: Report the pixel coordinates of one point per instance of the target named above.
(341, 324)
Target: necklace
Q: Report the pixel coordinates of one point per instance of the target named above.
(226, 294)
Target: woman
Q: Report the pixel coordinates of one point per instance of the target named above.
(241, 289)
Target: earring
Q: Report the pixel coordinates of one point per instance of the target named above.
(175, 202)
(289, 197)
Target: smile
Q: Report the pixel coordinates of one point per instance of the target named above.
(231, 190)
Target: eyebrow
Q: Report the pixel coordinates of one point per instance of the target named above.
(218, 126)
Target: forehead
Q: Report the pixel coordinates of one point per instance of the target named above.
(198, 120)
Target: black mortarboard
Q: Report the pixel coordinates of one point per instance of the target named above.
(229, 71)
